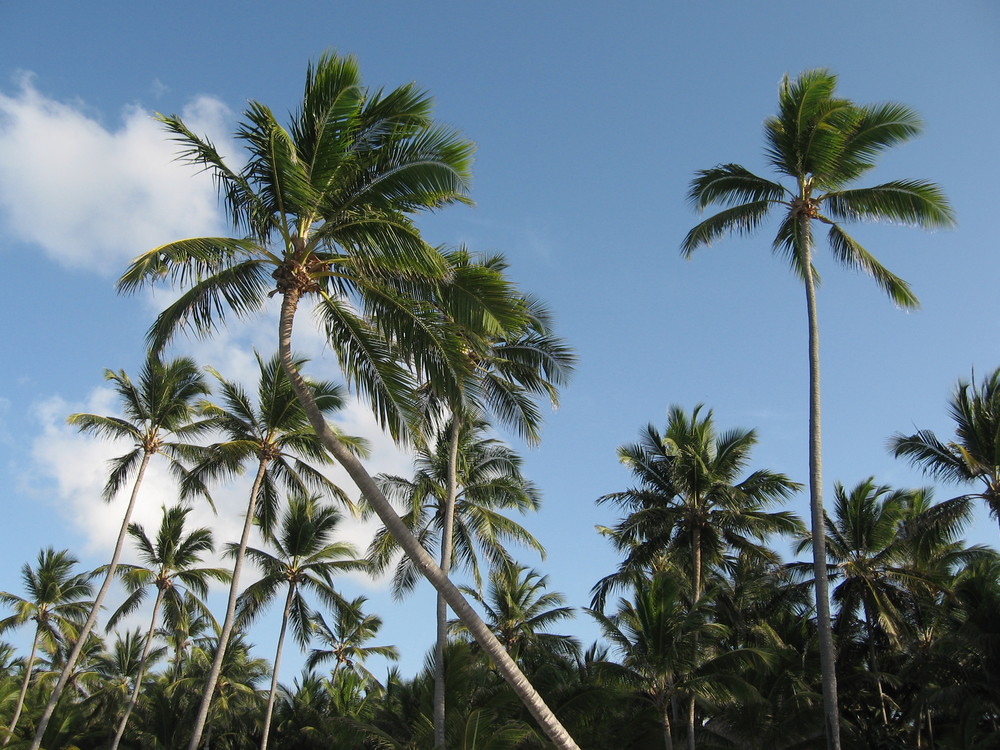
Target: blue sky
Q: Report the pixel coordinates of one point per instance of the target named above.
(590, 120)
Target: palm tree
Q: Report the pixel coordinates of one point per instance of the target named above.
(822, 143)
(159, 412)
(974, 455)
(57, 603)
(462, 485)
(345, 639)
(171, 562)
(326, 209)
(518, 606)
(502, 367)
(305, 561)
(690, 499)
(661, 637)
(274, 435)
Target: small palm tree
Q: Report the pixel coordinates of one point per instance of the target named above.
(822, 144)
(661, 638)
(344, 640)
(518, 608)
(159, 416)
(57, 602)
(973, 457)
(305, 561)
(171, 567)
(691, 499)
(273, 435)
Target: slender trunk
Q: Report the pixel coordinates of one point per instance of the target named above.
(827, 654)
(873, 665)
(74, 654)
(447, 542)
(696, 596)
(24, 686)
(423, 561)
(146, 647)
(227, 626)
(277, 664)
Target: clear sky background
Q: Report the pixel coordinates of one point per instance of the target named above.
(590, 119)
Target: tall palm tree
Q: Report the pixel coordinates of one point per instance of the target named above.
(305, 561)
(822, 144)
(326, 209)
(159, 413)
(57, 602)
(462, 484)
(346, 637)
(691, 499)
(171, 566)
(502, 368)
(273, 435)
(973, 457)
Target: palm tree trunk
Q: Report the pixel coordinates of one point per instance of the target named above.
(227, 626)
(146, 647)
(696, 550)
(447, 540)
(74, 654)
(827, 654)
(423, 561)
(668, 740)
(24, 685)
(277, 664)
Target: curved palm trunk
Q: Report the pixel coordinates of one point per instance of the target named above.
(668, 740)
(74, 654)
(827, 654)
(227, 626)
(277, 665)
(423, 561)
(24, 686)
(447, 543)
(147, 646)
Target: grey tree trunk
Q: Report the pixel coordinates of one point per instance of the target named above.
(277, 663)
(447, 543)
(227, 626)
(411, 547)
(827, 653)
(146, 647)
(24, 686)
(43, 722)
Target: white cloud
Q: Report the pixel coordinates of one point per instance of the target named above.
(93, 197)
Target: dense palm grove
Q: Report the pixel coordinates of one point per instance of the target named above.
(713, 635)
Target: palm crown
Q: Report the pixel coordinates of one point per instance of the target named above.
(823, 143)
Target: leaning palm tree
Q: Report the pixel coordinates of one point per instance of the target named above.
(973, 457)
(273, 435)
(171, 566)
(822, 144)
(159, 413)
(56, 601)
(325, 208)
(305, 560)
